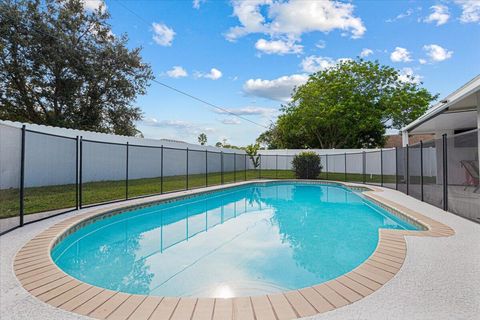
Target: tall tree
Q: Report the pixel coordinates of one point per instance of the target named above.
(61, 65)
(348, 106)
(202, 138)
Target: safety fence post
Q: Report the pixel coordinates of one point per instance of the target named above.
(77, 145)
(161, 169)
(396, 168)
(421, 169)
(22, 176)
(381, 167)
(234, 167)
(221, 164)
(407, 169)
(345, 167)
(206, 168)
(126, 174)
(186, 182)
(445, 172)
(364, 167)
(80, 178)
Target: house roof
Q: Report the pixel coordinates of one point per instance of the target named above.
(453, 112)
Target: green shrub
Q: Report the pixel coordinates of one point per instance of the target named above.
(306, 165)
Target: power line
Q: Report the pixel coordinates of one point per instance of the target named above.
(154, 80)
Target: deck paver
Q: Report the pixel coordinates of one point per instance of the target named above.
(344, 291)
(109, 306)
(184, 309)
(146, 308)
(355, 286)
(165, 308)
(124, 311)
(203, 309)
(302, 307)
(90, 305)
(331, 296)
(223, 309)
(282, 308)
(316, 300)
(262, 308)
(243, 309)
(81, 299)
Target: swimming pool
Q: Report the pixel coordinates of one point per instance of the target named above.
(248, 240)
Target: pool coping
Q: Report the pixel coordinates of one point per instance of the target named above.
(40, 276)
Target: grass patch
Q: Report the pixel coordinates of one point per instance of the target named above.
(40, 199)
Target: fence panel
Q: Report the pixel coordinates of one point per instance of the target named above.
(174, 169)
(389, 168)
(373, 168)
(103, 172)
(463, 175)
(402, 169)
(50, 175)
(214, 168)
(229, 167)
(197, 169)
(268, 166)
(415, 171)
(336, 167)
(284, 167)
(10, 152)
(253, 167)
(355, 167)
(144, 171)
(433, 172)
(240, 167)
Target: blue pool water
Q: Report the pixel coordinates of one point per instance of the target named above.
(248, 240)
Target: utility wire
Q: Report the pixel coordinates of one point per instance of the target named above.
(153, 80)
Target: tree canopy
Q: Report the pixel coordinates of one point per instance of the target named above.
(61, 65)
(349, 105)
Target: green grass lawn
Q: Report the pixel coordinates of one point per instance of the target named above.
(40, 199)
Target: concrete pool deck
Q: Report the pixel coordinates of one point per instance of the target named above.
(438, 279)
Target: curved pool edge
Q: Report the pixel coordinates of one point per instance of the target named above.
(42, 278)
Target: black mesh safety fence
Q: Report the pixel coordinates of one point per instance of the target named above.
(144, 170)
(50, 160)
(401, 174)
(214, 168)
(175, 166)
(355, 167)
(197, 168)
(50, 174)
(268, 166)
(463, 192)
(240, 167)
(373, 167)
(253, 167)
(103, 172)
(229, 174)
(432, 167)
(10, 178)
(415, 169)
(389, 168)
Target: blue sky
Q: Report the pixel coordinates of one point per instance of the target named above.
(246, 56)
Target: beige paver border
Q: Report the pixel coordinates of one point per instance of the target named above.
(39, 275)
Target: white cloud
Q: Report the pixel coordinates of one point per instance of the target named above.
(280, 47)
(366, 52)
(440, 15)
(196, 3)
(436, 53)
(214, 74)
(422, 61)
(293, 18)
(91, 5)
(177, 72)
(279, 89)
(470, 10)
(408, 75)
(400, 55)
(402, 15)
(178, 125)
(250, 111)
(313, 64)
(231, 121)
(321, 44)
(162, 34)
